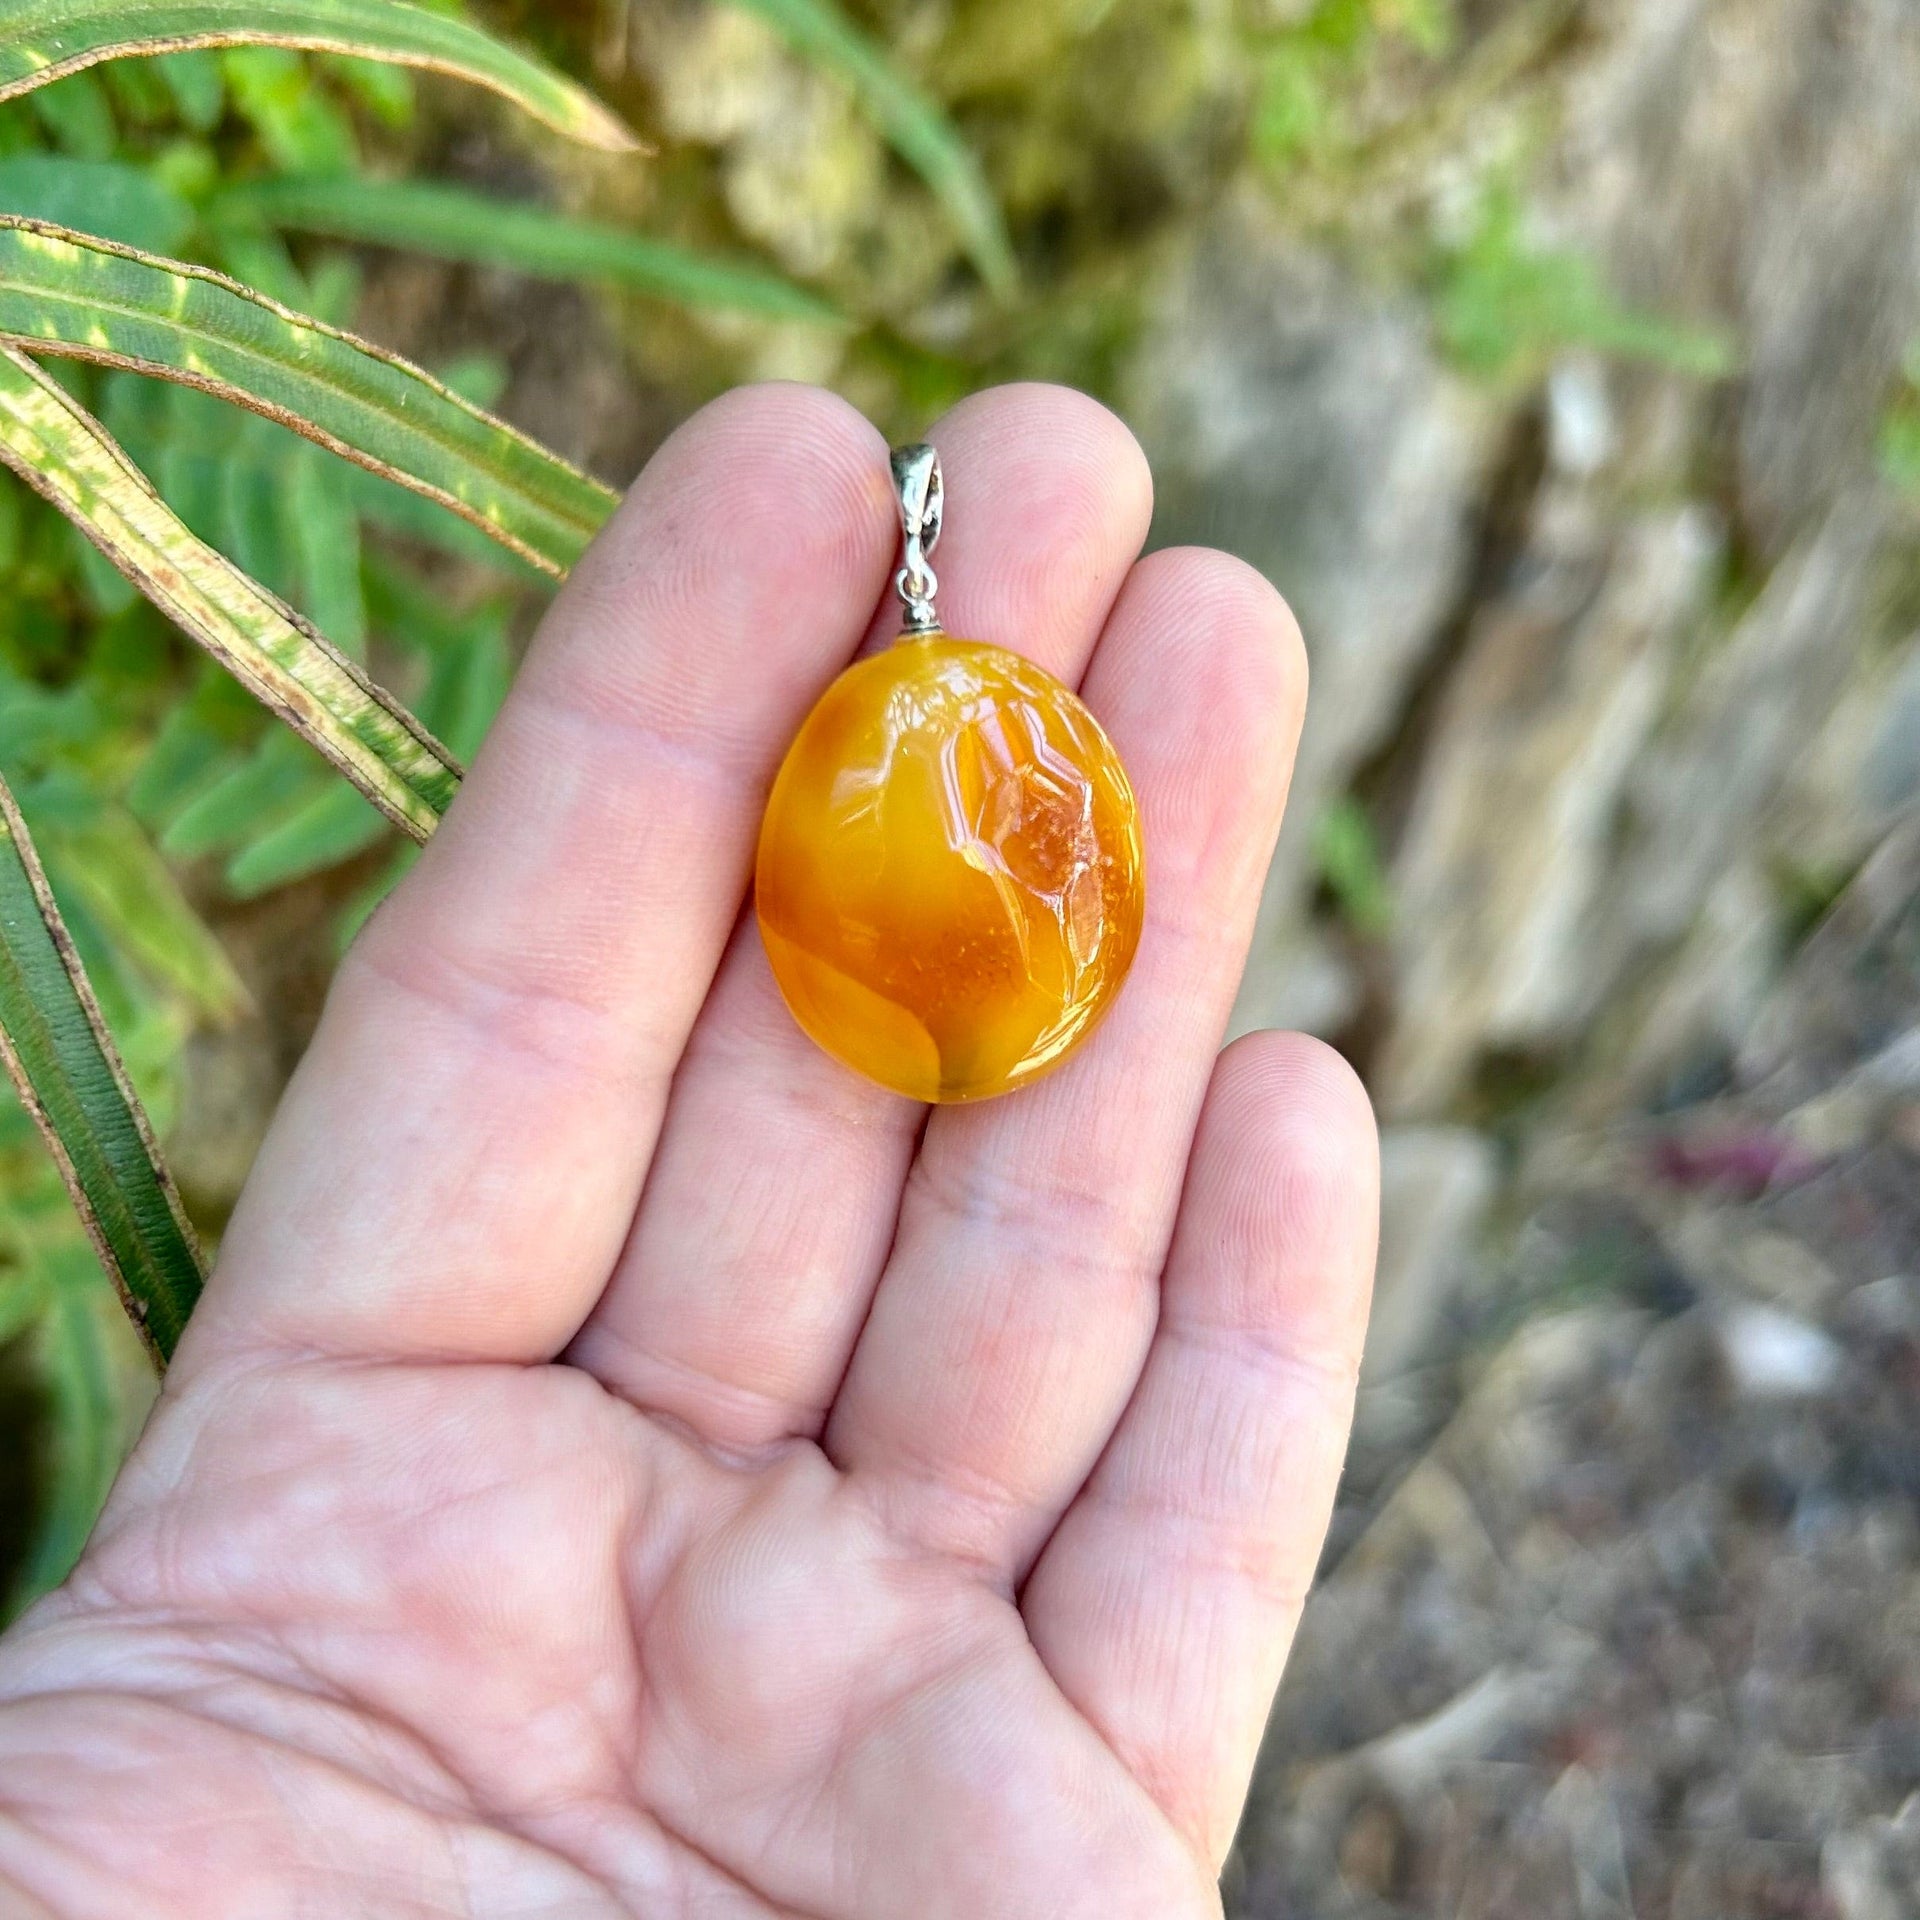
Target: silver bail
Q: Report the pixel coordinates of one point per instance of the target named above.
(922, 496)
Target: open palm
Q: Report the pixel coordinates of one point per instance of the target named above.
(625, 1465)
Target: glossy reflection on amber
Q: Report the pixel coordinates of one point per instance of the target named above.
(950, 883)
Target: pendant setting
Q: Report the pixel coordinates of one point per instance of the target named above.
(951, 881)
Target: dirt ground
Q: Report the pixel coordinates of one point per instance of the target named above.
(1637, 1630)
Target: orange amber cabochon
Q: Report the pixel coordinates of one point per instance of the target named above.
(950, 883)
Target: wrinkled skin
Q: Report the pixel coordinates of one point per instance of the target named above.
(624, 1465)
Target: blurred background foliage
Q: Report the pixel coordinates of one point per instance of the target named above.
(1561, 360)
(157, 790)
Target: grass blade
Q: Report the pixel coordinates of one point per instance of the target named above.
(67, 293)
(457, 225)
(918, 129)
(45, 40)
(62, 452)
(62, 1060)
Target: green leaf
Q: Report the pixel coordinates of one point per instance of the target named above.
(139, 95)
(84, 1430)
(253, 529)
(386, 92)
(150, 1025)
(91, 1378)
(276, 93)
(324, 831)
(107, 593)
(107, 197)
(193, 741)
(479, 376)
(404, 608)
(71, 1080)
(472, 660)
(127, 1003)
(65, 293)
(406, 516)
(13, 503)
(278, 776)
(112, 866)
(79, 116)
(918, 129)
(36, 721)
(470, 681)
(198, 87)
(263, 263)
(323, 529)
(456, 225)
(67, 456)
(43, 40)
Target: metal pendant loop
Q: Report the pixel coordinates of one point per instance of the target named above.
(922, 496)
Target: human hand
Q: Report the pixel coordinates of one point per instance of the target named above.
(624, 1465)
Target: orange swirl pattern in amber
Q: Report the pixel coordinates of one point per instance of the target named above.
(950, 882)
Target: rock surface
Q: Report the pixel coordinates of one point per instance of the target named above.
(1619, 1614)
(1300, 421)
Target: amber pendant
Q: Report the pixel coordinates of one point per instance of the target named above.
(950, 883)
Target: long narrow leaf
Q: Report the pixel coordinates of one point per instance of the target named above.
(44, 40)
(63, 1061)
(457, 225)
(67, 293)
(59, 449)
(918, 129)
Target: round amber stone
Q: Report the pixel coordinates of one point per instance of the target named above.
(950, 880)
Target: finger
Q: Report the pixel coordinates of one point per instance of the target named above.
(774, 1193)
(457, 1161)
(1016, 1307)
(1166, 1602)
